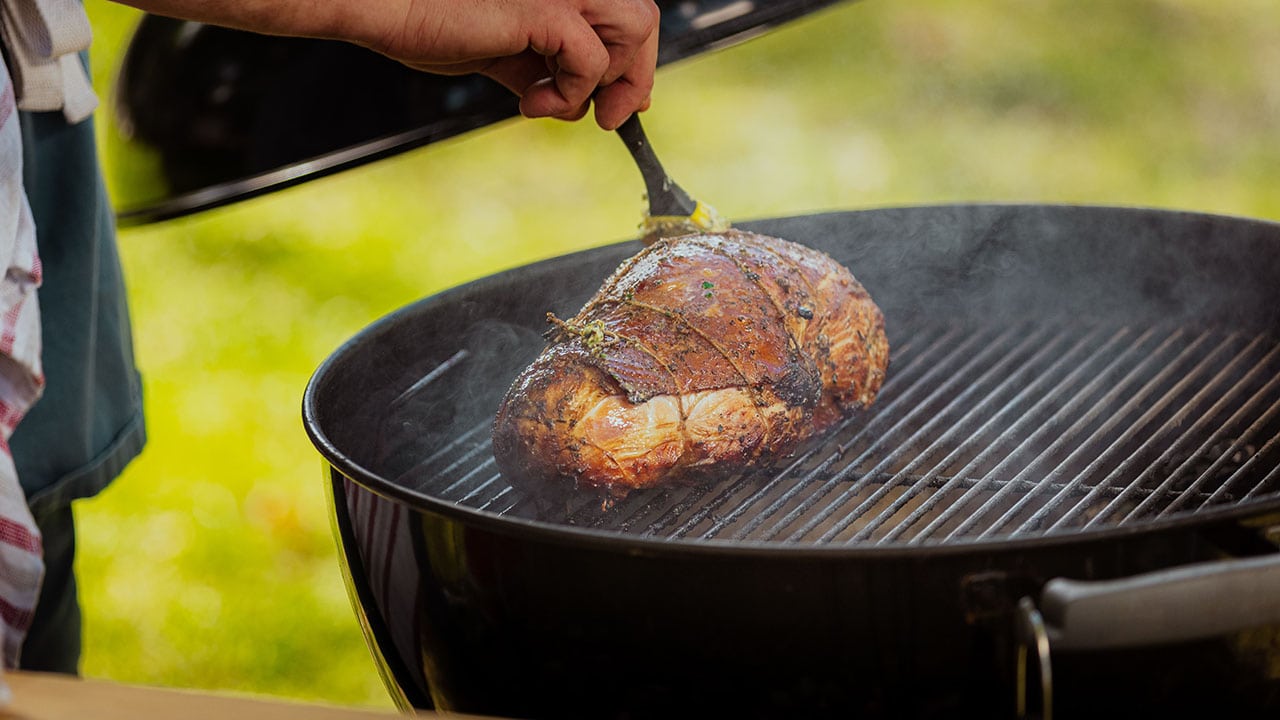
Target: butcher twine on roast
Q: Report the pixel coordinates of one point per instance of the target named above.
(722, 350)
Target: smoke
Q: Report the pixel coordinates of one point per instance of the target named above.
(412, 399)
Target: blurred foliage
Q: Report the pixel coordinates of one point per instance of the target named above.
(210, 564)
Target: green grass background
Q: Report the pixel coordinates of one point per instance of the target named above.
(210, 563)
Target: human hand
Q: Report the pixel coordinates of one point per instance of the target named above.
(557, 55)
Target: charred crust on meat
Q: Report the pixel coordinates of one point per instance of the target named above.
(791, 345)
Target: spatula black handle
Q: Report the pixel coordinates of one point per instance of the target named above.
(665, 197)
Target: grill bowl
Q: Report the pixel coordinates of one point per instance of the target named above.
(1075, 392)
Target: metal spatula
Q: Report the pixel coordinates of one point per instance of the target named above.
(671, 211)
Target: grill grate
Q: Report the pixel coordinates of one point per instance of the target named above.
(979, 433)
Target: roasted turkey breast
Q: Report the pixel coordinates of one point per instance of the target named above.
(719, 350)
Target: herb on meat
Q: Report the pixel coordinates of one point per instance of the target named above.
(594, 335)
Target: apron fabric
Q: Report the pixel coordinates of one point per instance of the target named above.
(41, 70)
(21, 381)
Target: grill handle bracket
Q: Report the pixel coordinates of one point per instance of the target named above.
(1033, 642)
(1186, 603)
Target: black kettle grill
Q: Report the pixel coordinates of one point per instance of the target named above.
(1067, 493)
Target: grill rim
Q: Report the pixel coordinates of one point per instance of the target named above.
(544, 531)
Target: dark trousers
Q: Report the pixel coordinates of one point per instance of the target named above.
(53, 642)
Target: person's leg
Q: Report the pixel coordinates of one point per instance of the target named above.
(53, 642)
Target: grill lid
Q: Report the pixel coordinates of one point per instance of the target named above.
(216, 115)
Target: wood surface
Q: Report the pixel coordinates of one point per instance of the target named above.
(40, 696)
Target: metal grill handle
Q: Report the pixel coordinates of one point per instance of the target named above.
(1185, 603)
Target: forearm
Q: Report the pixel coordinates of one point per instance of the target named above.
(364, 23)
